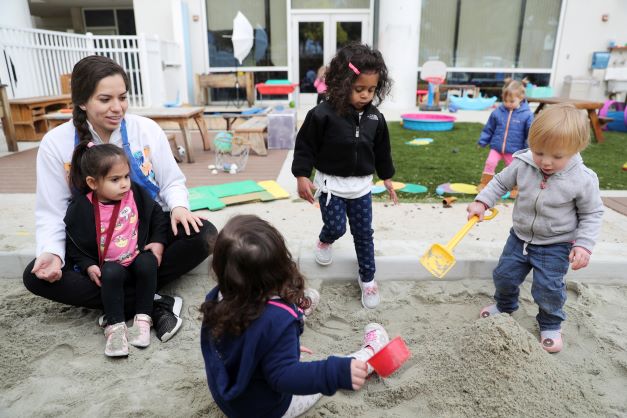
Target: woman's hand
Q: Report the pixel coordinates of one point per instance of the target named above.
(388, 185)
(476, 209)
(579, 258)
(94, 274)
(47, 267)
(306, 189)
(157, 249)
(359, 372)
(183, 216)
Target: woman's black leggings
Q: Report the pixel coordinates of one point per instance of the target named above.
(142, 271)
(181, 255)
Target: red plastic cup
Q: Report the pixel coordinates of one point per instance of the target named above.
(390, 358)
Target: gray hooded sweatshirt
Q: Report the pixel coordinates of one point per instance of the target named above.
(563, 207)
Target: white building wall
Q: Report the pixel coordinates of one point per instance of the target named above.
(154, 17)
(15, 13)
(583, 32)
(399, 29)
(163, 19)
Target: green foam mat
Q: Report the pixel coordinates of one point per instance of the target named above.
(202, 198)
(235, 188)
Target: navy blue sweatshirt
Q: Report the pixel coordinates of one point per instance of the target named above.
(256, 373)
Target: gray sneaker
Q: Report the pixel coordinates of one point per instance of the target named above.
(323, 253)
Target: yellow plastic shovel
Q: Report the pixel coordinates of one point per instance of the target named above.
(439, 259)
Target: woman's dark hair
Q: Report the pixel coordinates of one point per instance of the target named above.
(340, 77)
(92, 161)
(252, 264)
(86, 75)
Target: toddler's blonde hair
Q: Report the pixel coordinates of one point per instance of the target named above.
(560, 127)
(513, 88)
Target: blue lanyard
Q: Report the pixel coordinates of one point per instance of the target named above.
(137, 175)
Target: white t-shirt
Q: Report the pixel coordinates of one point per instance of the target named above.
(149, 146)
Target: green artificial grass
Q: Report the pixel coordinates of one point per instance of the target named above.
(455, 157)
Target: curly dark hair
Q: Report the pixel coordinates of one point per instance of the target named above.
(252, 264)
(86, 75)
(340, 77)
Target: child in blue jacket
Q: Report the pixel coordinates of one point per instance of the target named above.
(251, 326)
(506, 131)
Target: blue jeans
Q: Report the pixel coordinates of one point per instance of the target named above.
(359, 212)
(549, 264)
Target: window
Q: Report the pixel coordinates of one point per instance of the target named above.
(269, 21)
(109, 21)
(489, 33)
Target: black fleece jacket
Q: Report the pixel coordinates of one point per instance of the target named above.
(80, 227)
(343, 145)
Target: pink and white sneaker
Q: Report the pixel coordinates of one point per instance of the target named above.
(489, 310)
(117, 340)
(140, 331)
(370, 298)
(375, 338)
(552, 340)
(323, 253)
(314, 300)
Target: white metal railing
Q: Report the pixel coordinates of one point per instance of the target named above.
(33, 60)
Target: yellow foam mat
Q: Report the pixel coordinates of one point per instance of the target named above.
(396, 185)
(274, 189)
(464, 188)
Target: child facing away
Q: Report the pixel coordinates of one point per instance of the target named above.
(115, 235)
(345, 138)
(251, 326)
(506, 131)
(557, 218)
(319, 84)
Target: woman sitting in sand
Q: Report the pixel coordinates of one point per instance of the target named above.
(99, 95)
(251, 328)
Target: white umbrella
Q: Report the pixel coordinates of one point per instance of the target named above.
(242, 37)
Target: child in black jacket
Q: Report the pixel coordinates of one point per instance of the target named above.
(115, 235)
(346, 140)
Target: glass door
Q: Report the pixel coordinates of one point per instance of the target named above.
(315, 40)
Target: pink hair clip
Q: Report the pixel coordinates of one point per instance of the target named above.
(90, 144)
(352, 67)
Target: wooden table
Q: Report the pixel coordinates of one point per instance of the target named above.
(28, 115)
(7, 119)
(588, 106)
(180, 115)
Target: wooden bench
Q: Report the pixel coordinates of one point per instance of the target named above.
(253, 131)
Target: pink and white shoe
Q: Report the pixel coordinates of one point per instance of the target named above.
(140, 331)
(323, 253)
(375, 337)
(489, 310)
(314, 300)
(370, 297)
(552, 340)
(117, 340)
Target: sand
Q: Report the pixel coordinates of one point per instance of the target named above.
(52, 362)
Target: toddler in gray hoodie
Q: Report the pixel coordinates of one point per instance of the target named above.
(556, 218)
